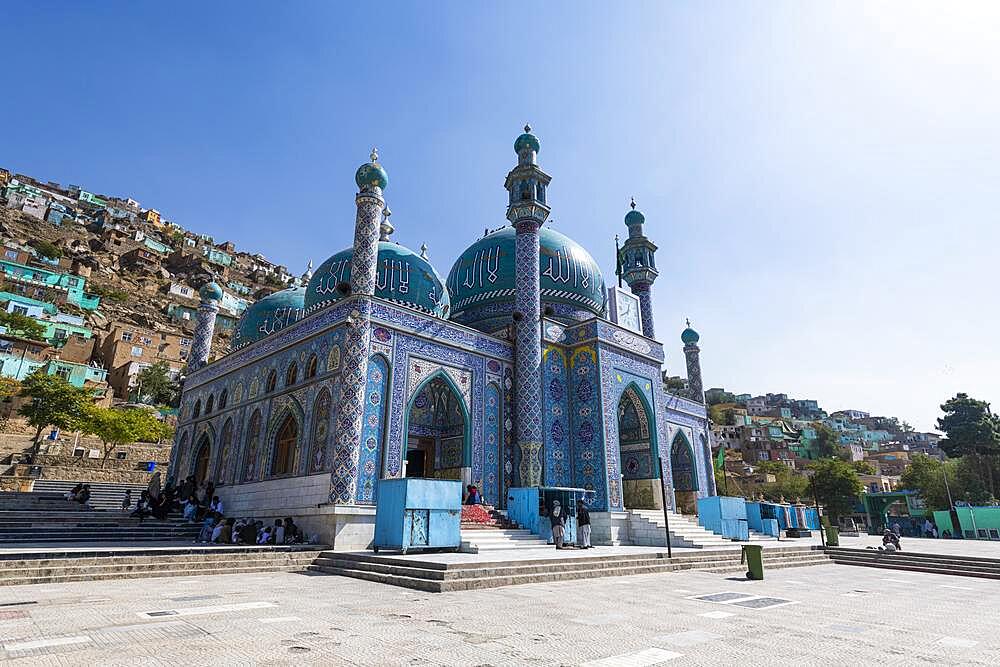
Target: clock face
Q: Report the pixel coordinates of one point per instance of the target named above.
(628, 311)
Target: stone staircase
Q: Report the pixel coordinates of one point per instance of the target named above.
(59, 566)
(102, 495)
(960, 566)
(647, 529)
(436, 577)
(479, 540)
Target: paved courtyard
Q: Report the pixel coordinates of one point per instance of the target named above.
(821, 615)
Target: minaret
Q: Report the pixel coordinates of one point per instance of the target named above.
(371, 179)
(527, 211)
(690, 339)
(639, 267)
(306, 275)
(204, 328)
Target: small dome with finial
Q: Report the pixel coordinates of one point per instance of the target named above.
(210, 291)
(385, 229)
(526, 141)
(371, 174)
(689, 336)
(634, 217)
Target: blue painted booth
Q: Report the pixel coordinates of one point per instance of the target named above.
(724, 515)
(772, 518)
(529, 507)
(417, 513)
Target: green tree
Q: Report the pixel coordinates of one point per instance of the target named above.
(47, 249)
(119, 428)
(863, 467)
(926, 476)
(787, 483)
(827, 441)
(22, 325)
(54, 402)
(972, 430)
(156, 386)
(836, 486)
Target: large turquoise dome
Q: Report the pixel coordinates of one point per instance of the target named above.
(268, 315)
(403, 277)
(482, 281)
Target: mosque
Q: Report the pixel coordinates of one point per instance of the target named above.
(523, 368)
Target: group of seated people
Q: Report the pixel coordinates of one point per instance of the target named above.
(79, 494)
(198, 504)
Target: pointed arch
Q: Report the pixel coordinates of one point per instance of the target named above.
(200, 467)
(272, 381)
(210, 404)
(278, 432)
(292, 374)
(312, 368)
(333, 359)
(683, 464)
(320, 431)
(221, 475)
(466, 415)
(250, 466)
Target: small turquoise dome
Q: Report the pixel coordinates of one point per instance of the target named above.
(689, 336)
(403, 277)
(526, 140)
(371, 174)
(272, 313)
(634, 217)
(210, 292)
(482, 287)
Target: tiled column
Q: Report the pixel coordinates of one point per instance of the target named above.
(645, 293)
(528, 352)
(201, 345)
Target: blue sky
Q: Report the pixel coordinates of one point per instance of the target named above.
(821, 178)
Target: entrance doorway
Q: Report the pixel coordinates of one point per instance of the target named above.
(437, 438)
(639, 469)
(284, 447)
(683, 474)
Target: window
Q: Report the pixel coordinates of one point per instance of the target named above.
(223, 398)
(10, 254)
(272, 381)
(145, 341)
(312, 367)
(197, 409)
(127, 336)
(121, 456)
(185, 342)
(20, 310)
(136, 351)
(291, 375)
(210, 404)
(63, 373)
(284, 447)
(61, 334)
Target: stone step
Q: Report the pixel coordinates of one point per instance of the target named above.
(916, 562)
(435, 582)
(228, 569)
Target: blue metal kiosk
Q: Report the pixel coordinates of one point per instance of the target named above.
(417, 513)
(531, 506)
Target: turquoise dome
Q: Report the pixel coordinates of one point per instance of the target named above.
(210, 292)
(272, 313)
(403, 277)
(526, 140)
(689, 336)
(634, 217)
(481, 282)
(371, 174)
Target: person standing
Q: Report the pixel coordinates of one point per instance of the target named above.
(558, 524)
(127, 500)
(582, 526)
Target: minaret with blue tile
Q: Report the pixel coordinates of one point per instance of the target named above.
(371, 180)
(527, 211)
(639, 267)
(204, 328)
(692, 355)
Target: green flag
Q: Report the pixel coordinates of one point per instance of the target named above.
(720, 460)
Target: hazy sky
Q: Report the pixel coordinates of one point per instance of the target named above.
(821, 178)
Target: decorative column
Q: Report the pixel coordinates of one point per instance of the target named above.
(639, 267)
(527, 211)
(690, 339)
(371, 179)
(204, 329)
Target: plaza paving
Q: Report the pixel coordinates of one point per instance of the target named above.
(822, 615)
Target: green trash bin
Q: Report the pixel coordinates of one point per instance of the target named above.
(753, 556)
(832, 536)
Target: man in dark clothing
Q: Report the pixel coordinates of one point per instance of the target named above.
(558, 524)
(582, 526)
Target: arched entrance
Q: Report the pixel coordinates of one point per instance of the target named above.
(285, 444)
(639, 469)
(202, 459)
(683, 473)
(437, 443)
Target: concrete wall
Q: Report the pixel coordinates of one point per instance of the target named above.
(344, 527)
(609, 528)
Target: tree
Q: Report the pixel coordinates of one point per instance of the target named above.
(971, 429)
(926, 476)
(119, 428)
(827, 440)
(156, 385)
(836, 486)
(22, 325)
(47, 249)
(787, 483)
(863, 467)
(54, 402)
